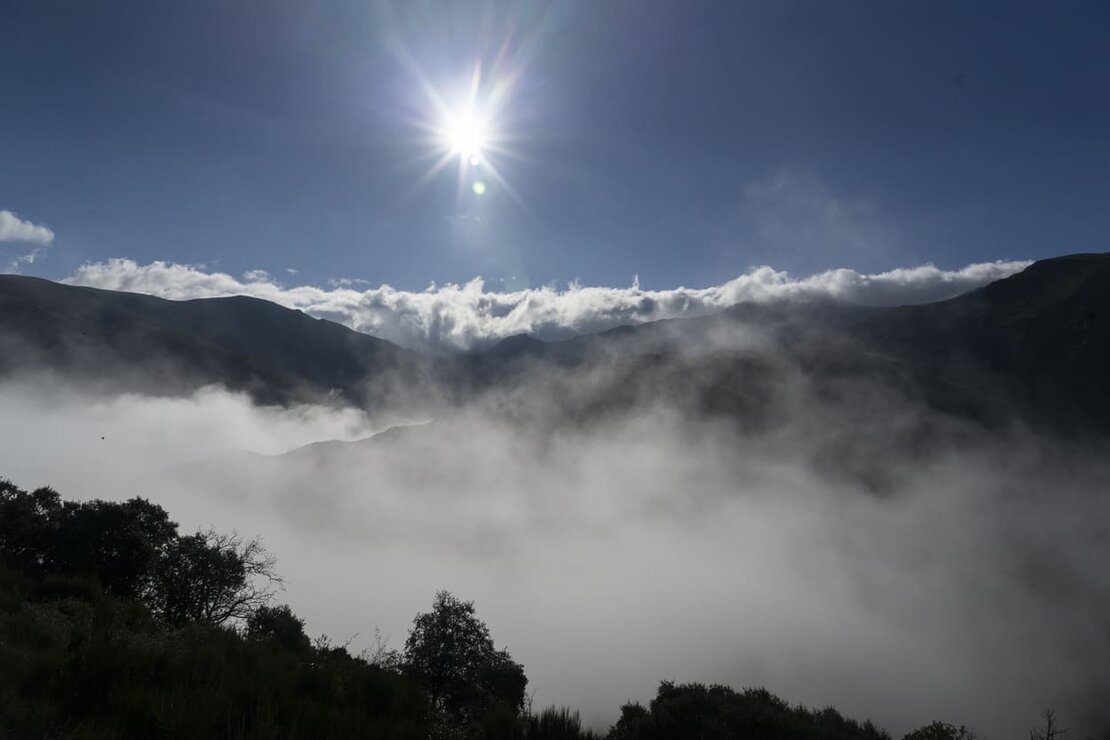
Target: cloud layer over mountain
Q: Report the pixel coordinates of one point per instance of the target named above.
(467, 316)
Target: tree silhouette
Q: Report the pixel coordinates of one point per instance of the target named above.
(449, 651)
(721, 713)
(941, 731)
(212, 578)
(1050, 731)
(29, 523)
(279, 625)
(119, 543)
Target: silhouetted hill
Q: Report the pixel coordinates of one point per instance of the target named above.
(1036, 343)
(1034, 346)
(139, 342)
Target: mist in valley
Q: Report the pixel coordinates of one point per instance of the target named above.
(849, 548)
(683, 346)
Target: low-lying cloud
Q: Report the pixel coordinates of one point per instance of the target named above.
(649, 544)
(467, 316)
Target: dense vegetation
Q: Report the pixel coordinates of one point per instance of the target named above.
(115, 625)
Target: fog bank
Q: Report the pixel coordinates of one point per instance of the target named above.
(970, 588)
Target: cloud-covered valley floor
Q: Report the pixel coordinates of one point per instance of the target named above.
(649, 543)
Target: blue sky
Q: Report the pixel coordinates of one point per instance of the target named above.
(681, 142)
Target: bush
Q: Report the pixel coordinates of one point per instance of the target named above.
(556, 723)
(720, 713)
(58, 587)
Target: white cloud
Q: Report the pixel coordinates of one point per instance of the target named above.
(257, 276)
(466, 316)
(16, 264)
(15, 229)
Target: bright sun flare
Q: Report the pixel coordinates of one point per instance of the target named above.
(467, 135)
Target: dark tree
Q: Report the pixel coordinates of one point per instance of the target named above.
(27, 527)
(634, 722)
(449, 651)
(279, 625)
(78, 659)
(1051, 729)
(941, 731)
(121, 544)
(212, 578)
(720, 713)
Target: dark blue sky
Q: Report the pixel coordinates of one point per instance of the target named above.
(679, 141)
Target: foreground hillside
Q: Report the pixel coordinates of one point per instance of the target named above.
(113, 625)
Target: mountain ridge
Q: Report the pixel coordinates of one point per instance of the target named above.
(1034, 345)
(276, 354)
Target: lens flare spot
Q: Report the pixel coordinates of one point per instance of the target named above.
(478, 187)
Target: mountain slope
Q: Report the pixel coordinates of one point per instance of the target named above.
(1037, 343)
(148, 344)
(1034, 346)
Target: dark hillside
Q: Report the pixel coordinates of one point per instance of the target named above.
(1034, 346)
(1036, 343)
(138, 342)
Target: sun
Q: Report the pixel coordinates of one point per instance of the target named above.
(469, 130)
(466, 135)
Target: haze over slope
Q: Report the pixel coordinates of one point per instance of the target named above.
(898, 511)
